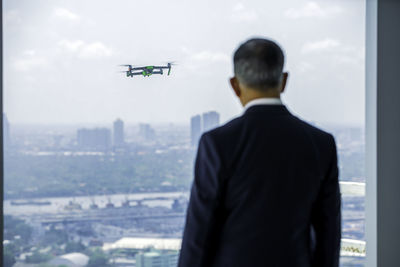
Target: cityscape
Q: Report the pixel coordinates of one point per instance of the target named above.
(98, 166)
(117, 195)
(98, 210)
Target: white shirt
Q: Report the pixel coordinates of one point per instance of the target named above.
(263, 101)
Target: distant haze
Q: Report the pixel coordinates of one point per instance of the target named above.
(61, 57)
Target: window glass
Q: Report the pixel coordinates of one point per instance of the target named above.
(100, 163)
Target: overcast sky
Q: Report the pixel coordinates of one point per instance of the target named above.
(61, 57)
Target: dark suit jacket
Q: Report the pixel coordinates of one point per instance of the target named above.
(262, 181)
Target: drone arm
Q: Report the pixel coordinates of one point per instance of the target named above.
(137, 68)
(137, 73)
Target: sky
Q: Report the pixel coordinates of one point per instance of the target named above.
(61, 58)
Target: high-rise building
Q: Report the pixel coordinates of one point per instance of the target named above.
(6, 132)
(94, 139)
(157, 258)
(118, 134)
(146, 132)
(195, 129)
(198, 125)
(210, 120)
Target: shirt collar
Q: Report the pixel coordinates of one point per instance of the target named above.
(263, 101)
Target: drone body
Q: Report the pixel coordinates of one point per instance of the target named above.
(146, 71)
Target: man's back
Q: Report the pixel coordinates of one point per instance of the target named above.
(261, 181)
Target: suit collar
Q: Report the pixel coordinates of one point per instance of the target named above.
(269, 109)
(263, 101)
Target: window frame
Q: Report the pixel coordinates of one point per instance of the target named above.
(380, 119)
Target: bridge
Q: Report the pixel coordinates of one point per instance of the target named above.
(81, 218)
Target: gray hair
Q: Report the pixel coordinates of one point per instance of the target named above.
(258, 63)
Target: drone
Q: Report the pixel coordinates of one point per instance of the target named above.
(146, 71)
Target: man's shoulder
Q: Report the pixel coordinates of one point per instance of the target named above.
(229, 131)
(313, 128)
(225, 130)
(321, 137)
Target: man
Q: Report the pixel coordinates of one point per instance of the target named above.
(266, 190)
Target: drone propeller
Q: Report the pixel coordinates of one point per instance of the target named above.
(170, 64)
(127, 65)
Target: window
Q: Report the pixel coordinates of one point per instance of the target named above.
(100, 163)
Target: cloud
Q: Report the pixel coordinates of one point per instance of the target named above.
(210, 56)
(320, 46)
(312, 10)
(71, 46)
(238, 7)
(200, 59)
(66, 14)
(350, 55)
(242, 14)
(28, 61)
(205, 55)
(305, 67)
(86, 50)
(96, 49)
(340, 54)
(12, 17)
(29, 52)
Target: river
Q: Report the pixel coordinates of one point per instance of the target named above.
(58, 203)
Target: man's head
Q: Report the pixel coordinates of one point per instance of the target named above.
(258, 67)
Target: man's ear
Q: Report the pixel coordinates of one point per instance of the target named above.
(235, 86)
(285, 76)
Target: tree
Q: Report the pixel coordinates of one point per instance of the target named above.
(74, 247)
(37, 257)
(55, 237)
(8, 257)
(98, 259)
(14, 227)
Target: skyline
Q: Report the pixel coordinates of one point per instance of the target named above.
(61, 57)
(136, 124)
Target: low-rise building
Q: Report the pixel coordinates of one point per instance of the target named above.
(157, 258)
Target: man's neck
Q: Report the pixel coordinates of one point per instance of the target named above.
(251, 94)
(264, 96)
